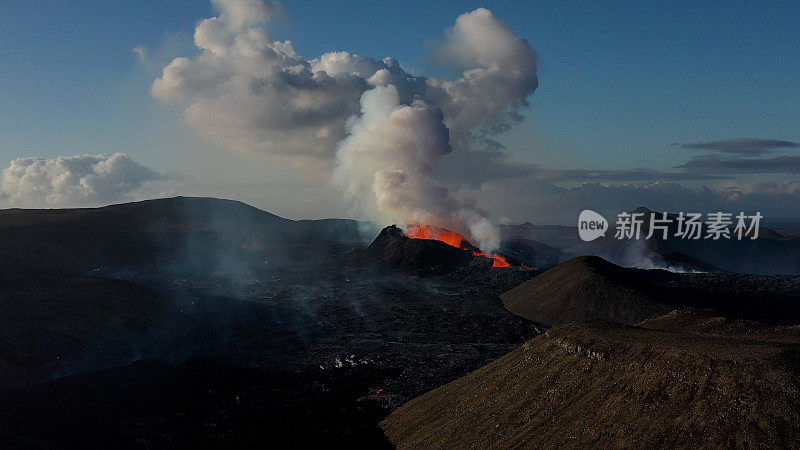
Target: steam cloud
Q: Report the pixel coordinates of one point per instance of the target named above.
(385, 129)
(72, 180)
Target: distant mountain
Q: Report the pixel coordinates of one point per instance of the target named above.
(770, 254)
(554, 236)
(531, 253)
(174, 233)
(66, 306)
(591, 288)
(601, 385)
(774, 252)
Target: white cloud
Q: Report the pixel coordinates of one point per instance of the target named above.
(79, 180)
(736, 190)
(500, 73)
(252, 94)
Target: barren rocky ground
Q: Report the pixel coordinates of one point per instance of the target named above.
(609, 385)
(212, 323)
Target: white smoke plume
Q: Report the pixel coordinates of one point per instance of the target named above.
(389, 160)
(78, 180)
(499, 75)
(253, 94)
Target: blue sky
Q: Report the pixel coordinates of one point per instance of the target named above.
(618, 82)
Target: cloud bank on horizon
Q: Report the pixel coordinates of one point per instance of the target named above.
(81, 180)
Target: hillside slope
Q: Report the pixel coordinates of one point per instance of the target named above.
(47, 317)
(591, 288)
(586, 288)
(164, 234)
(607, 385)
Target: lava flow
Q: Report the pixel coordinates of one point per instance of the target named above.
(452, 239)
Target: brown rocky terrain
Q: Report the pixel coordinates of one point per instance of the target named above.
(206, 322)
(609, 385)
(713, 361)
(710, 322)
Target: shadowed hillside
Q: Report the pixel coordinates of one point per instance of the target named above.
(181, 233)
(48, 316)
(586, 288)
(591, 288)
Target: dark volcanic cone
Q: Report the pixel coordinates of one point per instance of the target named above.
(604, 385)
(587, 288)
(591, 288)
(392, 249)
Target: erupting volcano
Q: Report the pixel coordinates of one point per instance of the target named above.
(453, 239)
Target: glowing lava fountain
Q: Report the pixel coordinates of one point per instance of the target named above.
(452, 239)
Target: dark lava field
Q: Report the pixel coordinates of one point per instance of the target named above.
(205, 323)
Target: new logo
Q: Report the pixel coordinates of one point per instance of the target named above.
(591, 225)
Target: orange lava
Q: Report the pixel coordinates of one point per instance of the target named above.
(452, 239)
(435, 234)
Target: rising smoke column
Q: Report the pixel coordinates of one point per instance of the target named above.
(393, 149)
(390, 157)
(384, 130)
(391, 154)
